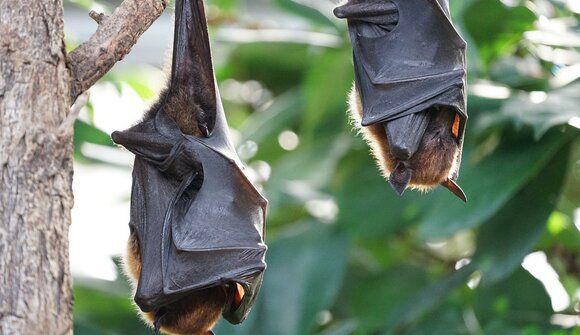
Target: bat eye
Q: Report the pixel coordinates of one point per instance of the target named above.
(400, 168)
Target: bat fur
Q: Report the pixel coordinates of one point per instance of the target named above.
(195, 314)
(432, 164)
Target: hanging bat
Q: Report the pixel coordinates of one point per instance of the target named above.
(196, 249)
(409, 92)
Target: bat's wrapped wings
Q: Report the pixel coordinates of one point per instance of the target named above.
(408, 59)
(199, 220)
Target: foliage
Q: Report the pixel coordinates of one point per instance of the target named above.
(346, 255)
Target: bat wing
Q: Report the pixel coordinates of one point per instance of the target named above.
(199, 220)
(408, 58)
(420, 63)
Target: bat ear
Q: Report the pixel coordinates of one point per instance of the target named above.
(400, 178)
(452, 186)
(360, 10)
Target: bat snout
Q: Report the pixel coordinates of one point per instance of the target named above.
(400, 177)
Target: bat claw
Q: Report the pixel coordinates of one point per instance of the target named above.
(452, 186)
(204, 129)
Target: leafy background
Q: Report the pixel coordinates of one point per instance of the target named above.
(347, 256)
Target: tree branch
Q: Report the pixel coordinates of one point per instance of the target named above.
(114, 38)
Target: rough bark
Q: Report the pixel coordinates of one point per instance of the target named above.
(35, 170)
(113, 40)
(37, 84)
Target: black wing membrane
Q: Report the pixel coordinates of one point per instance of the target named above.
(199, 220)
(409, 62)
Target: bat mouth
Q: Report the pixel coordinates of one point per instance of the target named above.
(406, 133)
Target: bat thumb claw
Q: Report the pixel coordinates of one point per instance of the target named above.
(452, 186)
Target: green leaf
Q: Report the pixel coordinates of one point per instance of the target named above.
(304, 173)
(514, 302)
(509, 235)
(425, 300)
(282, 114)
(374, 297)
(88, 133)
(279, 66)
(368, 206)
(304, 275)
(325, 95)
(444, 321)
(307, 12)
(343, 328)
(489, 184)
(495, 27)
(558, 108)
(102, 312)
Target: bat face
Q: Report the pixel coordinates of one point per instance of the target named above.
(433, 161)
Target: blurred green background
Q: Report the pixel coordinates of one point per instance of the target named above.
(347, 256)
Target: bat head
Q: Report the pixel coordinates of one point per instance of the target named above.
(418, 151)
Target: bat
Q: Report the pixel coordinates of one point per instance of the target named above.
(196, 249)
(409, 93)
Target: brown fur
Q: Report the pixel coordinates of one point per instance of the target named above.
(434, 160)
(186, 103)
(194, 314)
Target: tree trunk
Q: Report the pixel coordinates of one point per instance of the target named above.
(35, 170)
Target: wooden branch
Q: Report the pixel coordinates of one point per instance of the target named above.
(114, 38)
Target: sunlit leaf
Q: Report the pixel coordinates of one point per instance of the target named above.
(515, 302)
(495, 27)
(552, 109)
(511, 233)
(85, 132)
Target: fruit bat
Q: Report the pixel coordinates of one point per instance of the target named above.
(196, 249)
(409, 91)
